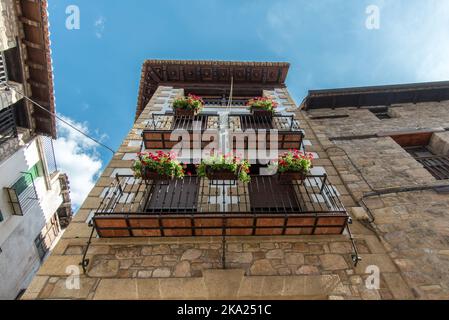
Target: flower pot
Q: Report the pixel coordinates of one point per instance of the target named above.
(258, 113)
(184, 113)
(147, 174)
(292, 175)
(221, 175)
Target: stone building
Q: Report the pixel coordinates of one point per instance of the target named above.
(30, 183)
(369, 210)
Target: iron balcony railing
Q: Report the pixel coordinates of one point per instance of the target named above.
(22, 194)
(164, 131)
(242, 127)
(3, 71)
(289, 133)
(197, 206)
(8, 128)
(223, 102)
(437, 165)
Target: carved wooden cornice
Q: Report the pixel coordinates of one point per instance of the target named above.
(181, 73)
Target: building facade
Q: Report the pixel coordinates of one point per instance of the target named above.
(30, 183)
(346, 232)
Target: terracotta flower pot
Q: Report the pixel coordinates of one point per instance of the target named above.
(292, 175)
(147, 174)
(221, 175)
(259, 113)
(184, 113)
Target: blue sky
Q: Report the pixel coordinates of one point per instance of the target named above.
(97, 68)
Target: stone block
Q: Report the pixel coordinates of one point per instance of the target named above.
(116, 289)
(57, 265)
(222, 284)
(333, 262)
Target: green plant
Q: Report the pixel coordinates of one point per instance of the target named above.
(191, 102)
(164, 164)
(295, 161)
(262, 103)
(227, 162)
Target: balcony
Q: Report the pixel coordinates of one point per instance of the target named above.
(288, 134)
(199, 207)
(165, 131)
(8, 128)
(223, 102)
(22, 194)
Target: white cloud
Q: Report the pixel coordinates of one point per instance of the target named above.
(99, 25)
(419, 33)
(76, 155)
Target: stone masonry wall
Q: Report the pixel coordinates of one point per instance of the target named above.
(413, 226)
(439, 143)
(288, 267)
(363, 122)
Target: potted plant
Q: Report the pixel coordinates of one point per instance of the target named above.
(262, 107)
(224, 167)
(294, 165)
(188, 106)
(157, 166)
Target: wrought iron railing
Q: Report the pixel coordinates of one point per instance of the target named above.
(223, 102)
(195, 206)
(277, 121)
(3, 71)
(289, 133)
(437, 165)
(8, 128)
(164, 131)
(22, 194)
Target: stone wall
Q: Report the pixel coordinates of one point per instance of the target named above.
(363, 122)
(384, 163)
(8, 25)
(439, 143)
(412, 225)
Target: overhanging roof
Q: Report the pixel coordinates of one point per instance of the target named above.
(377, 95)
(33, 18)
(192, 72)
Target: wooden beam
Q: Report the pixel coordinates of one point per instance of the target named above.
(30, 22)
(38, 84)
(35, 65)
(34, 45)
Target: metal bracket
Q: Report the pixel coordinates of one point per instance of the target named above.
(85, 262)
(355, 255)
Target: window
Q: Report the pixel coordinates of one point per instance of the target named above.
(22, 193)
(47, 236)
(40, 246)
(268, 194)
(219, 97)
(48, 150)
(174, 196)
(437, 165)
(381, 113)
(27, 179)
(417, 145)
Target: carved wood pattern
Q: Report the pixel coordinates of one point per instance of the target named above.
(167, 72)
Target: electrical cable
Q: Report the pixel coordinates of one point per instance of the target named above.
(59, 118)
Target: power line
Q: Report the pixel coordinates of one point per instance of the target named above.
(59, 118)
